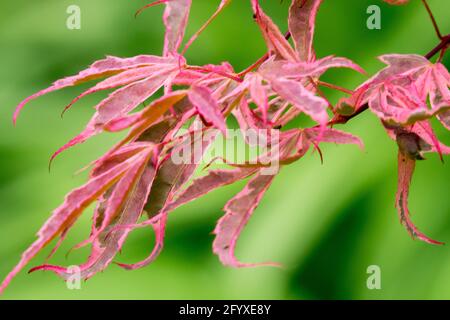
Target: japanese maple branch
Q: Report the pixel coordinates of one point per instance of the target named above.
(445, 42)
(340, 119)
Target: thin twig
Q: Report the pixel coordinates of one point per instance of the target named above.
(254, 65)
(334, 87)
(320, 92)
(221, 73)
(340, 119)
(433, 20)
(260, 60)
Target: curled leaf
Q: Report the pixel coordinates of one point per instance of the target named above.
(237, 213)
(406, 167)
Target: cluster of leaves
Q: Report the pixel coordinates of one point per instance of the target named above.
(137, 184)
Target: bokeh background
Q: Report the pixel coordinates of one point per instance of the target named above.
(326, 223)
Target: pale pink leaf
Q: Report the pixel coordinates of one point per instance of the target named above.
(237, 213)
(299, 70)
(399, 65)
(99, 69)
(175, 18)
(118, 104)
(259, 95)
(110, 160)
(329, 135)
(68, 212)
(213, 180)
(124, 78)
(303, 99)
(109, 244)
(302, 22)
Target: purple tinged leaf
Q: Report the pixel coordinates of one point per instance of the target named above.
(117, 198)
(402, 64)
(187, 77)
(149, 115)
(213, 180)
(439, 92)
(247, 120)
(425, 139)
(399, 65)
(444, 118)
(394, 104)
(169, 179)
(168, 125)
(114, 239)
(172, 176)
(202, 98)
(127, 98)
(424, 130)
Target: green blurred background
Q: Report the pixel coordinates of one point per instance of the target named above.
(326, 223)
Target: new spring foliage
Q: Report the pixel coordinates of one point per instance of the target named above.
(137, 184)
